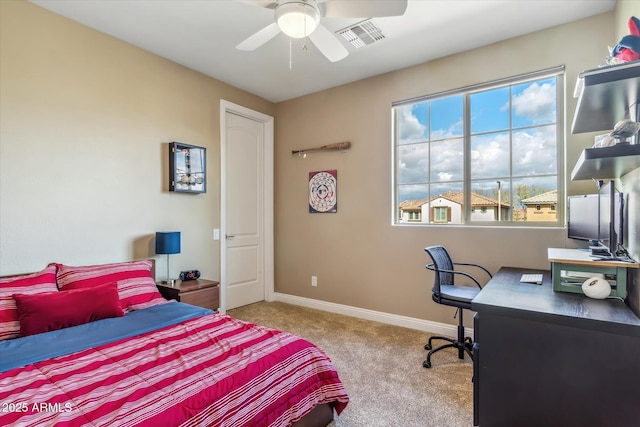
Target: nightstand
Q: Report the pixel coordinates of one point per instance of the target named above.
(202, 292)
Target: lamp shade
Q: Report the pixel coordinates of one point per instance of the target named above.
(168, 242)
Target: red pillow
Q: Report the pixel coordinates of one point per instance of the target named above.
(136, 286)
(51, 311)
(35, 283)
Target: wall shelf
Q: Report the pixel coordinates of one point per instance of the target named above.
(604, 95)
(607, 162)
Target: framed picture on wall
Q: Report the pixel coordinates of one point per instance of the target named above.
(187, 168)
(323, 192)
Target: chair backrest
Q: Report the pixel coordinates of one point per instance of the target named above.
(441, 261)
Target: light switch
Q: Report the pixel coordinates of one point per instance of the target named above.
(216, 234)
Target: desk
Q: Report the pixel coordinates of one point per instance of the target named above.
(545, 358)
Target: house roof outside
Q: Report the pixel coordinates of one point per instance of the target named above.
(477, 200)
(548, 198)
(412, 205)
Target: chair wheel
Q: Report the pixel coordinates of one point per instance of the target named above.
(427, 347)
(426, 364)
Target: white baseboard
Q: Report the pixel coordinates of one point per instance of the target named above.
(376, 316)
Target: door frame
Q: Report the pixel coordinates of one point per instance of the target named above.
(267, 208)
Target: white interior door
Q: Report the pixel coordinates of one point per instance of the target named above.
(247, 206)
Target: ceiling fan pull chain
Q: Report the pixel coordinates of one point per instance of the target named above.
(290, 48)
(304, 43)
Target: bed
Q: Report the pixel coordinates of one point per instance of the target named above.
(97, 345)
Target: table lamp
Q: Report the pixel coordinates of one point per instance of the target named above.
(168, 243)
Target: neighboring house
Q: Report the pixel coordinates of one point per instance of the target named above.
(446, 208)
(543, 207)
(411, 210)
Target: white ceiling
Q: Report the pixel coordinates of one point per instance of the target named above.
(202, 35)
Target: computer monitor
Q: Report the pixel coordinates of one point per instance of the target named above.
(610, 212)
(583, 217)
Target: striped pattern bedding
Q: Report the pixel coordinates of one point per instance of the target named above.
(209, 371)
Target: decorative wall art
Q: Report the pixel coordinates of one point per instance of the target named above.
(339, 146)
(323, 192)
(187, 168)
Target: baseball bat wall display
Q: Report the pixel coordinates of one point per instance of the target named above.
(338, 146)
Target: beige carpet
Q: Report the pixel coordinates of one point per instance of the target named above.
(381, 368)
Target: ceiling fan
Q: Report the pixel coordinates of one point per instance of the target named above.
(301, 18)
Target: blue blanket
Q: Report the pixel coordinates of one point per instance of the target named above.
(35, 348)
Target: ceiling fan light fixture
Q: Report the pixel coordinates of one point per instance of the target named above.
(298, 19)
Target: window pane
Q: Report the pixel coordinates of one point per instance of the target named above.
(411, 198)
(413, 163)
(450, 204)
(490, 110)
(490, 155)
(446, 117)
(447, 160)
(535, 151)
(440, 214)
(534, 103)
(537, 191)
(412, 123)
(412, 192)
(487, 203)
(454, 188)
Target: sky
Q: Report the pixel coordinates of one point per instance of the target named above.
(530, 150)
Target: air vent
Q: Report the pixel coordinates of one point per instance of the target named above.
(362, 34)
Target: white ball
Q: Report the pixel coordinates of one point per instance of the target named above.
(596, 288)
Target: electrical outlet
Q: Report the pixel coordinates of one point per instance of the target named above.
(314, 280)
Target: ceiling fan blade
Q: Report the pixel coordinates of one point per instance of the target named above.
(269, 4)
(328, 44)
(362, 9)
(261, 37)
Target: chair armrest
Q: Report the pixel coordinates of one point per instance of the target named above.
(474, 265)
(433, 268)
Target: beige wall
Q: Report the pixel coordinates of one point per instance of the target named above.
(630, 183)
(623, 11)
(85, 121)
(359, 257)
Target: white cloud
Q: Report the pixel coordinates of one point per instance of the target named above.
(490, 156)
(409, 126)
(537, 103)
(444, 176)
(534, 151)
(413, 163)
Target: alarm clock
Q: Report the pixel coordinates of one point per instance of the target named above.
(189, 275)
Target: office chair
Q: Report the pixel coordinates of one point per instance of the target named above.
(446, 292)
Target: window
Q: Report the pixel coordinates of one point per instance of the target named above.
(480, 155)
(440, 214)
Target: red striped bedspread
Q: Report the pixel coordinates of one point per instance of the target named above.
(209, 371)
